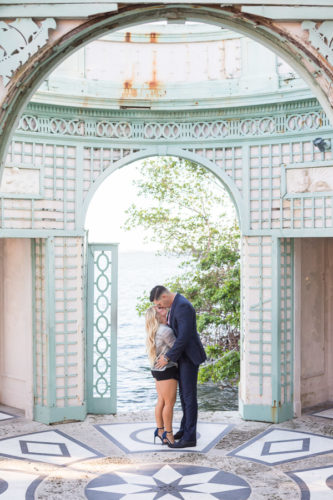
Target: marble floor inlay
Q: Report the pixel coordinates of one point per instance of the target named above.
(138, 437)
(316, 484)
(6, 416)
(324, 413)
(53, 447)
(167, 482)
(276, 446)
(18, 485)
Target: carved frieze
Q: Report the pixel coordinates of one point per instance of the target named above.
(174, 130)
(20, 40)
(321, 37)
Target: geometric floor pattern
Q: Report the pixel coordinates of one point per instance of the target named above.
(277, 446)
(18, 485)
(138, 437)
(6, 416)
(324, 413)
(316, 484)
(167, 482)
(52, 447)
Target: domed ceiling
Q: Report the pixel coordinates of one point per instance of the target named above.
(171, 66)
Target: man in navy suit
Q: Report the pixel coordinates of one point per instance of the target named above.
(188, 352)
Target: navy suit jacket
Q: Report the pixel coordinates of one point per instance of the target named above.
(183, 322)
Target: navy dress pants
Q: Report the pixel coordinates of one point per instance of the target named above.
(188, 377)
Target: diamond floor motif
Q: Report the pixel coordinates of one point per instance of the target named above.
(277, 446)
(138, 437)
(6, 416)
(167, 482)
(53, 447)
(324, 413)
(316, 484)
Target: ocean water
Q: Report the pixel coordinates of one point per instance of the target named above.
(140, 272)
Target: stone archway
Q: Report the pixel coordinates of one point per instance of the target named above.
(308, 54)
(101, 388)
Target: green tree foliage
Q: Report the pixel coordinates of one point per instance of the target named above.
(191, 215)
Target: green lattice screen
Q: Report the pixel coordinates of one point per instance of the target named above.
(101, 370)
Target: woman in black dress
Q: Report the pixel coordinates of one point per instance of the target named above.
(160, 338)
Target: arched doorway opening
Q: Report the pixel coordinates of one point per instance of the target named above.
(136, 388)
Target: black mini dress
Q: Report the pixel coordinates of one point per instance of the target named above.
(166, 374)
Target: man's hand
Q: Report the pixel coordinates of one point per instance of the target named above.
(161, 362)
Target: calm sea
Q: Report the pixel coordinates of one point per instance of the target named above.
(139, 272)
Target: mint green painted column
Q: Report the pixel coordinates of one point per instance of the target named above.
(266, 390)
(58, 329)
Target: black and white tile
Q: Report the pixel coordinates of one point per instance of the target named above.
(316, 484)
(138, 437)
(18, 485)
(6, 416)
(324, 413)
(276, 446)
(52, 447)
(167, 482)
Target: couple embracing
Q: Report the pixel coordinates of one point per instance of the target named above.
(175, 352)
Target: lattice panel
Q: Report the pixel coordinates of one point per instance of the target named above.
(257, 289)
(51, 203)
(68, 320)
(102, 324)
(96, 160)
(228, 159)
(286, 319)
(101, 327)
(40, 324)
(268, 209)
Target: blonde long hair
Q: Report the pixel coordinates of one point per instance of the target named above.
(152, 325)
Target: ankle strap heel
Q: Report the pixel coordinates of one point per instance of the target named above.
(165, 437)
(156, 434)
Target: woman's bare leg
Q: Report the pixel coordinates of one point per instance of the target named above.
(168, 391)
(159, 410)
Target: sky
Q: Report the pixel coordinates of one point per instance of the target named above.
(106, 213)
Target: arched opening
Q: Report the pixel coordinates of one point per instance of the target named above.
(139, 270)
(177, 152)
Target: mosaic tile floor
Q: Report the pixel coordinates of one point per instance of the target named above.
(146, 480)
(316, 484)
(324, 413)
(277, 446)
(138, 438)
(6, 416)
(18, 485)
(52, 447)
(150, 482)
